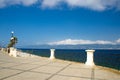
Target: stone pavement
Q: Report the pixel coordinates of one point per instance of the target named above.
(40, 68)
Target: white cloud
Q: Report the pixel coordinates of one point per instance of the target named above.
(103, 42)
(76, 42)
(28, 2)
(91, 4)
(118, 5)
(98, 5)
(4, 3)
(118, 41)
(50, 3)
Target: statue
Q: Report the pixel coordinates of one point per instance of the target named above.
(13, 41)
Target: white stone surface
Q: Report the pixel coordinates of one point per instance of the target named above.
(52, 55)
(13, 52)
(2, 49)
(90, 57)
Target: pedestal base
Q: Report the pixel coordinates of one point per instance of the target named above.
(13, 52)
(52, 55)
(90, 58)
(52, 58)
(90, 64)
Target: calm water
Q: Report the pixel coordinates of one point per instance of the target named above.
(107, 58)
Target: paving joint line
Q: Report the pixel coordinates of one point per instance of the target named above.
(11, 75)
(22, 71)
(77, 76)
(92, 74)
(58, 71)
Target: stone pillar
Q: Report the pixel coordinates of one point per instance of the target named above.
(2, 49)
(90, 57)
(52, 55)
(13, 52)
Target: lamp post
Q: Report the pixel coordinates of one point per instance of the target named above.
(12, 38)
(12, 33)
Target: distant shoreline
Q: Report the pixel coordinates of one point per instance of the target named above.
(71, 49)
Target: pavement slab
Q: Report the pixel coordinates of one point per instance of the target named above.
(29, 76)
(76, 72)
(8, 64)
(48, 69)
(106, 75)
(59, 77)
(5, 73)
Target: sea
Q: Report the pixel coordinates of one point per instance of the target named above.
(102, 57)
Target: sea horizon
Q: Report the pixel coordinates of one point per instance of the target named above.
(87, 46)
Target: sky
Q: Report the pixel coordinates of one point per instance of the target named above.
(60, 22)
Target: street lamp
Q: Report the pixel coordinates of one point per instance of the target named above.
(12, 33)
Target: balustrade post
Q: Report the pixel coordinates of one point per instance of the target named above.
(52, 55)
(90, 57)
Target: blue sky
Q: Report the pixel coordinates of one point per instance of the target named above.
(57, 22)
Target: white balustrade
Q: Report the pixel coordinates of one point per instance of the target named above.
(52, 55)
(90, 57)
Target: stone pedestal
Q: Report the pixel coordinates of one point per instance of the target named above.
(13, 52)
(52, 55)
(90, 57)
(2, 49)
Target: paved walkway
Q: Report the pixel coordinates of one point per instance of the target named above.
(39, 68)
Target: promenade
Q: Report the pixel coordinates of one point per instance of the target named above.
(40, 68)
